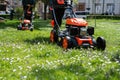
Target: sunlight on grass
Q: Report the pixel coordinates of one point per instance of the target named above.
(26, 55)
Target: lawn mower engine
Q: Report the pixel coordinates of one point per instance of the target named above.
(25, 25)
(78, 27)
(78, 34)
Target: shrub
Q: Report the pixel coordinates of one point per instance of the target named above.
(5, 15)
(19, 12)
(104, 17)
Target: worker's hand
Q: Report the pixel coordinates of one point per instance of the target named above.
(28, 5)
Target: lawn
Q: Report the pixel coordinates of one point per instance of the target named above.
(26, 55)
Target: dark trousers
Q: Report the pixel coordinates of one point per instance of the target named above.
(26, 14)
(59, 12)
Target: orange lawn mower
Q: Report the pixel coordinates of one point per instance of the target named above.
(77, 33)
(26, 22)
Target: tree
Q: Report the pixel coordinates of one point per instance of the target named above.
(3, 5)
(75, 1)
(46, 2)
(45, 6)
(1, 1)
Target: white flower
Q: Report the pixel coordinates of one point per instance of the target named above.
(33, 65)
(3, 58)
(65, 78)
(89, 63)
(38, 43)
(118, 70)
(20, 67)
(24, 77)
(36, 70)
(12, 58)
(28, 67)
(38, 64)
(117, 61)
(7, 59)
(18, 59)
(76, 73)
(14, 70)
(11, 63)
(55, 66)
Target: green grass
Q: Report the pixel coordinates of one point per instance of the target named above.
(26, 55)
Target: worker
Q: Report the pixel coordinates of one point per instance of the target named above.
(27, 8)
(59, 9)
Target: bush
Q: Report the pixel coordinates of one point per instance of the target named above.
(19, 12)
(104, 17)
(5, 15)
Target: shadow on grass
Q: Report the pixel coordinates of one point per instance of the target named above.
(38, 40)
(14, 23)
(41, 24)
(11, 24)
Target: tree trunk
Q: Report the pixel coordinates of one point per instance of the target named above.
(45, 11)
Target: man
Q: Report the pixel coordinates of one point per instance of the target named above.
(59, 9)
(27, 8)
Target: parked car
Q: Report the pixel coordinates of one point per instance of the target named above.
(81, 14)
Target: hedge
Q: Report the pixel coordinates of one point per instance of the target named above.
(5, 15)
(117, 17)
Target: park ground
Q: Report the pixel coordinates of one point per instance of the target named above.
(26, 55)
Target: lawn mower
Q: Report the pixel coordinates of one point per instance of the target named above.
(77, 33)
(26, 21)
